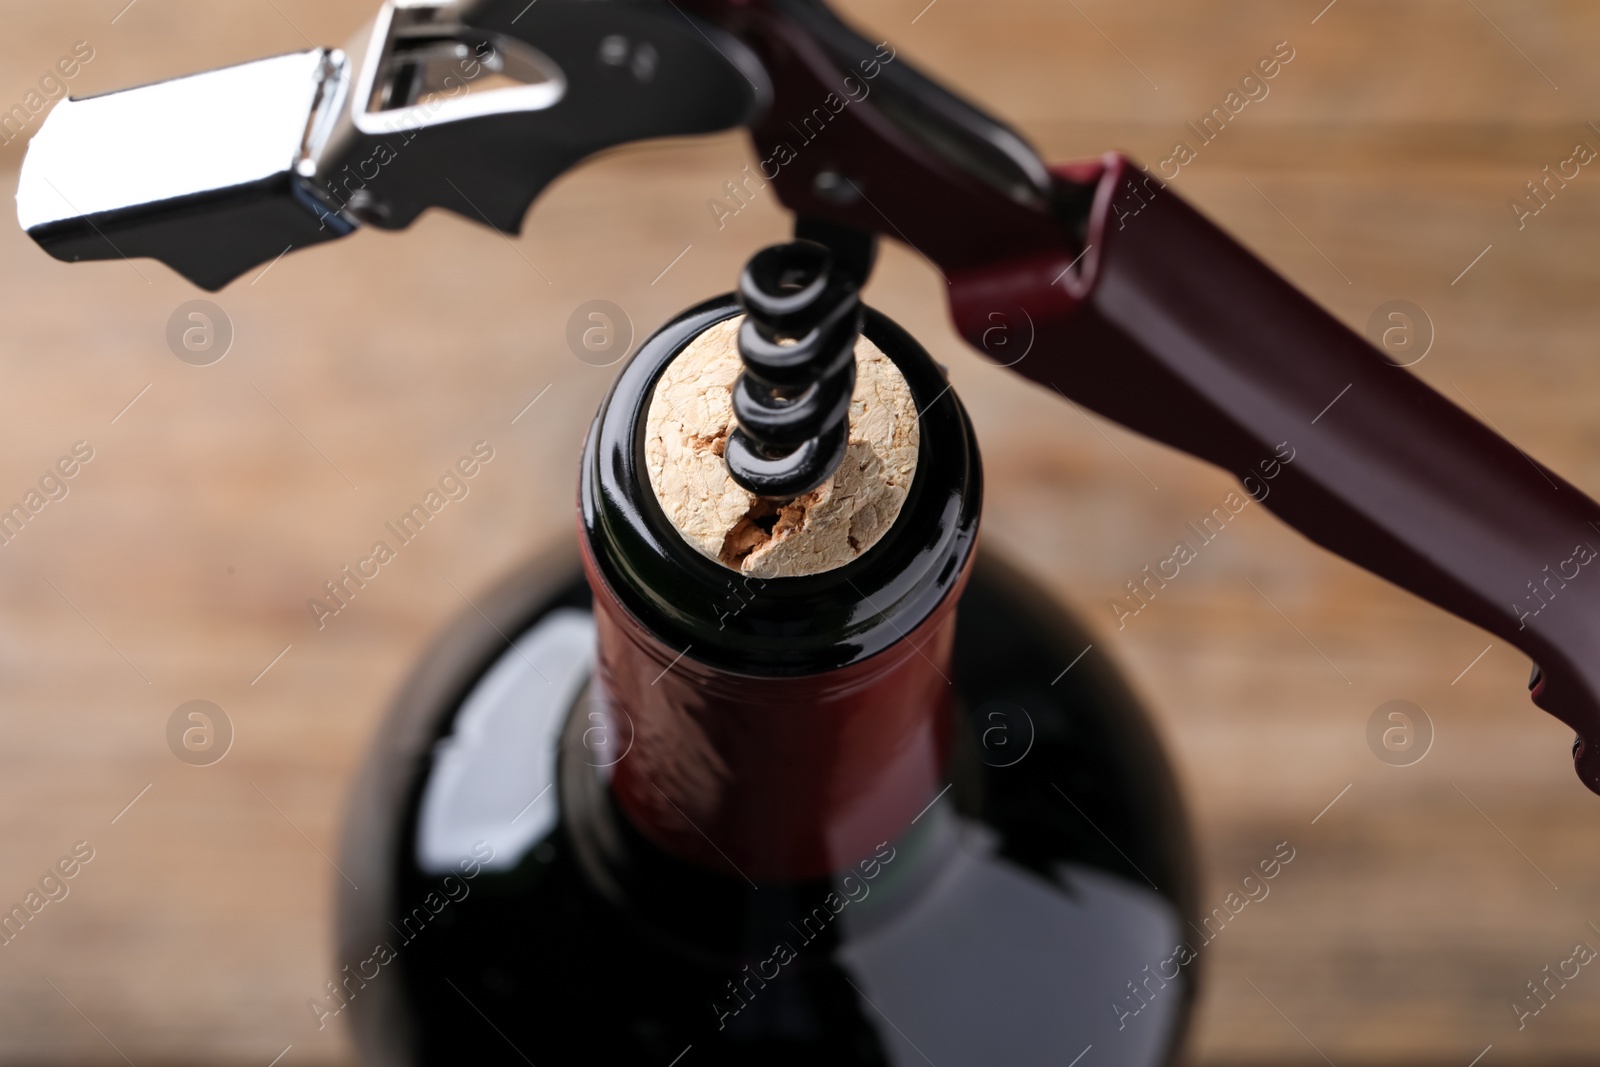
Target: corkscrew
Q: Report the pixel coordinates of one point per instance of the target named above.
(1139, 308)
(797, 343)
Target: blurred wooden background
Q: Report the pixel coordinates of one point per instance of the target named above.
(178, 567)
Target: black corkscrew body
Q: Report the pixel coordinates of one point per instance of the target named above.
(798, 342)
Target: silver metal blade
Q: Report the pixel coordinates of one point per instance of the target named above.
(201, 172)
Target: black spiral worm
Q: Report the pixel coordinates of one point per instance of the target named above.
(798, 343)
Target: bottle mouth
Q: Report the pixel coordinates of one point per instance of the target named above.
(782, 625)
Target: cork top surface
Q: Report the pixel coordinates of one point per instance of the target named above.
(687, 428)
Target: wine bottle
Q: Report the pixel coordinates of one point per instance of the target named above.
(896, 812)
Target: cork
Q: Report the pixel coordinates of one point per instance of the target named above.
(687, 428)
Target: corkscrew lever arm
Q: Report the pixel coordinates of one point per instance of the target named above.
(473, 107)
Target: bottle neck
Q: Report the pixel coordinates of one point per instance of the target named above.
(776, 779)
(778, 730)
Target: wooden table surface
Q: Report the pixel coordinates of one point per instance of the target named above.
(178, 565)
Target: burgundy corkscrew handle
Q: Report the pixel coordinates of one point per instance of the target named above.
(1173, 329)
